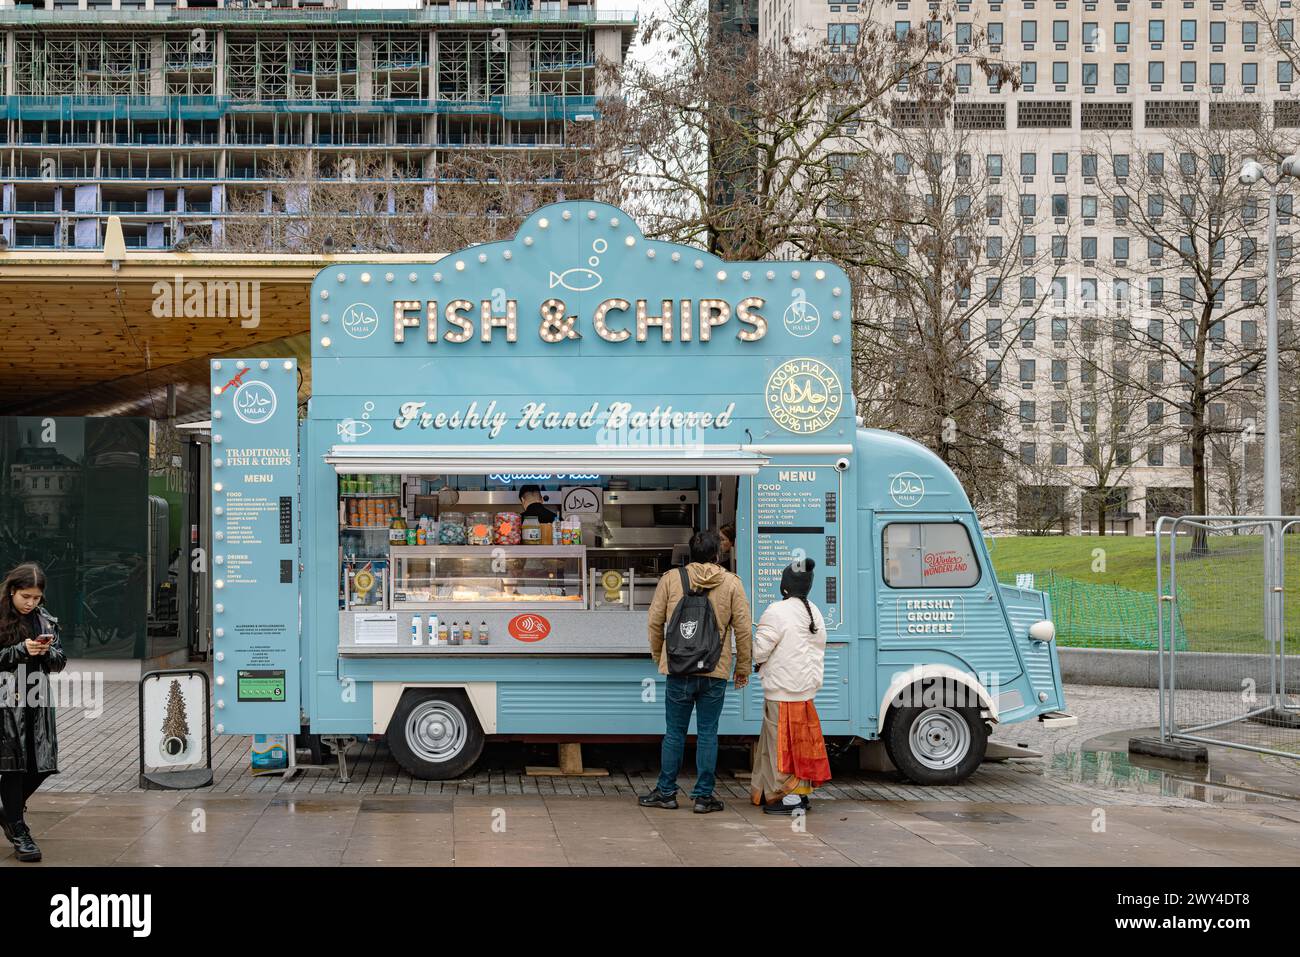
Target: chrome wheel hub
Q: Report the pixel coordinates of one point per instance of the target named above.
(940, 738)
(436, 731)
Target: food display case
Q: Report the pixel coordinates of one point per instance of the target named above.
(497, 576)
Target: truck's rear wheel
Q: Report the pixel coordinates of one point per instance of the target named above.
(935, 745)
(434, 734)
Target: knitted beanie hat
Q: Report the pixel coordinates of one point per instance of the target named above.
(797, 578)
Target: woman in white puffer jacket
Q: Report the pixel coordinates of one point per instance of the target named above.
(790, 648)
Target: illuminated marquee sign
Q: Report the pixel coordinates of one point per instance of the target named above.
(613, 320)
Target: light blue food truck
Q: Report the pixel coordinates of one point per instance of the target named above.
(376, 573)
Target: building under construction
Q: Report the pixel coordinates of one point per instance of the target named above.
(172, 116)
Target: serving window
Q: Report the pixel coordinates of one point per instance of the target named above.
(929, 555)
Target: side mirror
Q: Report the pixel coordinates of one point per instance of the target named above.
(1042, 631)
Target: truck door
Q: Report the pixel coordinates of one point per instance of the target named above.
(938, 603)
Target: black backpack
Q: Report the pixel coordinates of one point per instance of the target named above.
(694, 645)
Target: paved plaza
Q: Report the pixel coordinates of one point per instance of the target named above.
(1082, 803)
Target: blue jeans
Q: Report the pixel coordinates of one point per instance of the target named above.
(704, 696)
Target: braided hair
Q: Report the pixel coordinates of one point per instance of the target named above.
(812, 621)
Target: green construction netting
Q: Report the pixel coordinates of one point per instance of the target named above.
(1093, 615)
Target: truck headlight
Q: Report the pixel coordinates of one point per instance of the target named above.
(1042, 630)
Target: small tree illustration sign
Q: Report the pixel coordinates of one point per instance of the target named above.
(176, 726)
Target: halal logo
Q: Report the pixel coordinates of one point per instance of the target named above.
(801, 317)
(254, 402)
(906, 489)
(360, 320)
(804, 396)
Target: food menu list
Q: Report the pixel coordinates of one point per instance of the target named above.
(795, 512)
(254, 546)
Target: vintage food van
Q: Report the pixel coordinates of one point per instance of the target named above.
(373, 573)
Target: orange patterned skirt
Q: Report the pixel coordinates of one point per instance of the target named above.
(791, 755)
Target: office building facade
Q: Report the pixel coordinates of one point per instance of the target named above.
(1092, 75)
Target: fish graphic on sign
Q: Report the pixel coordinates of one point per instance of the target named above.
(352, 429)
(577, 279)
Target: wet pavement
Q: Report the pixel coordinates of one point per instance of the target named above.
(171, 828)
(1084, 803)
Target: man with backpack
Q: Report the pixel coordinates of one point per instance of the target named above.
(695, 611)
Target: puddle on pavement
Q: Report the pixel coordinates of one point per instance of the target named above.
(1210, 782)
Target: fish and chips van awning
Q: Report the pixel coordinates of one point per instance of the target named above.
(474, 460)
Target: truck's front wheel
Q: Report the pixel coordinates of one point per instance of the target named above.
(936, 745)
(435, 734)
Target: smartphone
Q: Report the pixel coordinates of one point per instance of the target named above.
(45, 639)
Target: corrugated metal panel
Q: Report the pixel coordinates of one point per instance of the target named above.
(1024, 608)
(982, 642)
(832, 700)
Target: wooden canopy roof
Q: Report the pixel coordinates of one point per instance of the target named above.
(86, 335)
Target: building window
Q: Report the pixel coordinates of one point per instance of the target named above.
(1249, 74)
(1187, 30)
(1156, 31)
(993, 164)
(1028, 412)
(1028, 31)
(838, 34)
(1028, 453)
(1121, 74)
(1218, 74)
(1156, 455)
(1249, 33)
(1156, 72)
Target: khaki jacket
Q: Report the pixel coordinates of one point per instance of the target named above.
(730, 608)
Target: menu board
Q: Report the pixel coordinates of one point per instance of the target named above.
(794, 514)
(254, 545)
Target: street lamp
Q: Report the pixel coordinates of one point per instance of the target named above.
(1251, 173)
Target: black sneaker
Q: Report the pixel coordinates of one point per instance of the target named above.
(25, 848)
(657, 798)
(785, 810)
(703, 805)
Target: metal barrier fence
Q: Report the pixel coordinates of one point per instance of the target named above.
(1222, 581)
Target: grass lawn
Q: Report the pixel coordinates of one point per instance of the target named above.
(1220, 595)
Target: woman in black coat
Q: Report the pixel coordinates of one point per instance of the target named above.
(29, 652)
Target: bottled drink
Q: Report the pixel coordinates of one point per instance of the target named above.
(482, 633)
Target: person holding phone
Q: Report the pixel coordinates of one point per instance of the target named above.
(29, 652)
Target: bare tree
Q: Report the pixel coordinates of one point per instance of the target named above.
(1196, 230)
(938, 322)
(340, 202)
(740, 148)
(1106, 417)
